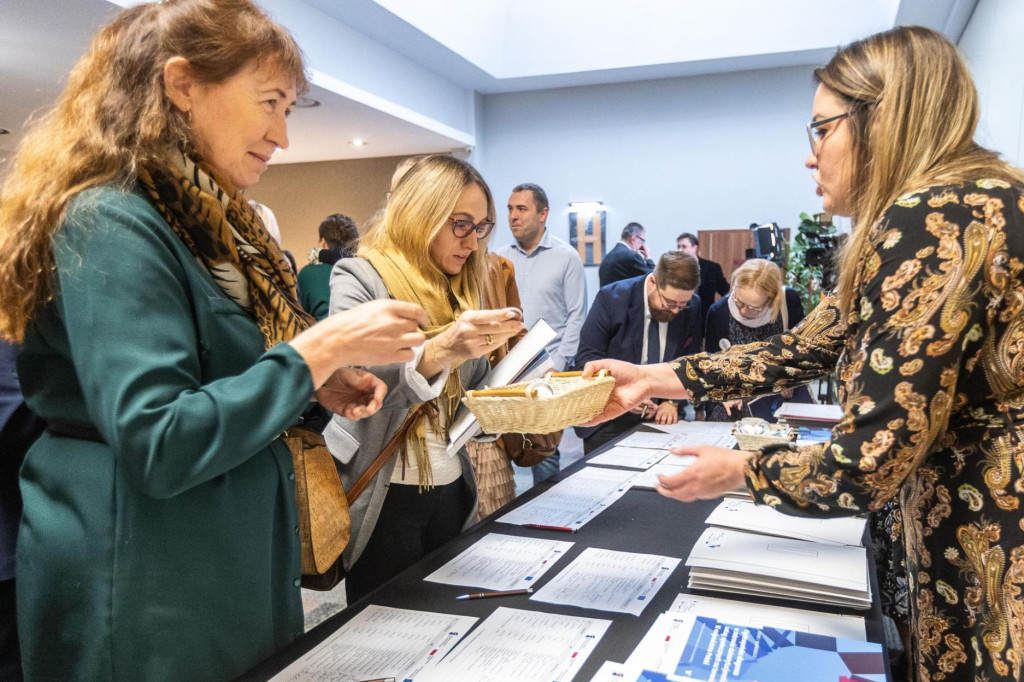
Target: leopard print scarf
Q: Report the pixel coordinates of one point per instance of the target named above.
(227, 237)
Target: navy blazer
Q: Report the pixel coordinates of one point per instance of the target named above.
(614, 328)
(622, 263)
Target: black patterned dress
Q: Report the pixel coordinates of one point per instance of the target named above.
(931, 378)
(740, 334)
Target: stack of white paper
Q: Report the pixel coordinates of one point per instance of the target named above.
(726, 560)
(745, 515)
(810, 415)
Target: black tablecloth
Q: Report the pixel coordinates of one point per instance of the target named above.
(640, 521)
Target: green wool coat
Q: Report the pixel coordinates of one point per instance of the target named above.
(172, 551)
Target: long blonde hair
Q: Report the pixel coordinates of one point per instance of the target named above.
(113, 117)
(418, 210)
(913, 111)
(764, 276)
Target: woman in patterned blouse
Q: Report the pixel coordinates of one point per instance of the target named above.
(926, 335)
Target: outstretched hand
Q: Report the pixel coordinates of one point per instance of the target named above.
(352, 393)
(631, 388)
(715, 472)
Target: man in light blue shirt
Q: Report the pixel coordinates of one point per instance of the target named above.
(549, 275)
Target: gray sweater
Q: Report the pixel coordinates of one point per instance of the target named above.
(355, 444)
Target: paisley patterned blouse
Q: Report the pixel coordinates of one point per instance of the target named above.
(931, 375)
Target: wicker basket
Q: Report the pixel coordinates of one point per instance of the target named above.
(756, 441)
(573, 401)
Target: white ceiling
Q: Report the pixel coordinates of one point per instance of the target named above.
(482, 46)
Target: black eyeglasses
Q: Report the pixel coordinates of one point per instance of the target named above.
(462, 228)
(741, 306)
(814, 136)
(669, 304)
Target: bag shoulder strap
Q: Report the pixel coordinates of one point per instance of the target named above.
(360, 485)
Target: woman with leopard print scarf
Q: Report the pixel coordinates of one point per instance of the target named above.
(165, 346)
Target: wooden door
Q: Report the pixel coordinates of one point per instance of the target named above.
(728, 248)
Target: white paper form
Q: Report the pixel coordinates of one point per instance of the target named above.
(606, 580)
(513, 645)
(760, 615)
(649, 439)
(663, 645)
(700, 433)
(501, 562)
(611, 671)
(572, 502)
(649, 479)
(633, 458)
(380, 642)
(745, 515)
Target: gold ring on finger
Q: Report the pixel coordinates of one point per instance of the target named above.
(489, 339)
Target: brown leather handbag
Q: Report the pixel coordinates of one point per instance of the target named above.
(323, 504)
(530, 448)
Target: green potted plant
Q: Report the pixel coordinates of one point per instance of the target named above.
(811, 258)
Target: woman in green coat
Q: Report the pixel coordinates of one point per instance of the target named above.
(165, 346)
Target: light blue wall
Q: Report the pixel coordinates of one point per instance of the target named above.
(994, 50)
(676, 155)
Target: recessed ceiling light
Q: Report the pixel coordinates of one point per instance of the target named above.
(306, 103)
(358, 143)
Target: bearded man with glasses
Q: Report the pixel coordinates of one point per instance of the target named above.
(645, 319)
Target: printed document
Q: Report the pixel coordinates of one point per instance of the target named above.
(700, 433)
(650, 439)
(760, 615)
(692, 647)
(513, 645)
(380, 642)
(501, 562)
(649, 479)
(571, 503)
(606, 580)
(759, 518)
(633, 458)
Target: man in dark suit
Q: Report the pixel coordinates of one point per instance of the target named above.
(712, 279)
(644, 320)
(628, 259)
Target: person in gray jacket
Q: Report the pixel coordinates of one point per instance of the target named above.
(427, 248)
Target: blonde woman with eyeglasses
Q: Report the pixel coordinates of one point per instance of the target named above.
(926, 335)
(427, 248)
(756, 308)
